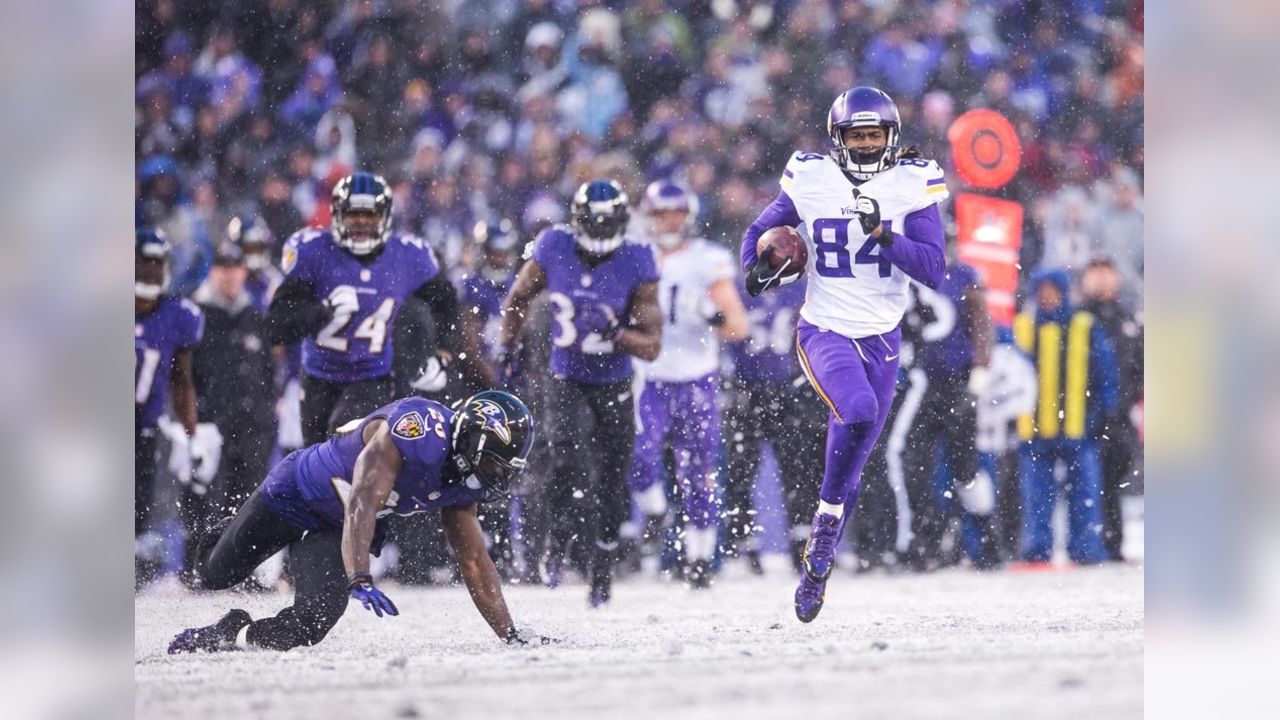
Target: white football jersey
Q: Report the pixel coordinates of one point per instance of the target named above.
(852, 290)
(690, 347)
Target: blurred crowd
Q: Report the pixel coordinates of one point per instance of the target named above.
(503, 107)
(475, 111)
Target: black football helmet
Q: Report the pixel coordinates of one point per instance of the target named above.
(361, 192)
(492, 437)
(500, 242)
(599, 216)
(150, 263)
(254, 238)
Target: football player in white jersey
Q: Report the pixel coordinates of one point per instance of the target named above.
(869, 214)
(677, 407)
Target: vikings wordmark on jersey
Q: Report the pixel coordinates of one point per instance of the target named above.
(853, 290)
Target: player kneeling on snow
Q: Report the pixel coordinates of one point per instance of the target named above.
(323, 503)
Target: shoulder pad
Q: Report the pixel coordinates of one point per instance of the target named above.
(549, 236)
(798, 163)
(921, 177)
(411, 240)
(293, 247)
(306, 235)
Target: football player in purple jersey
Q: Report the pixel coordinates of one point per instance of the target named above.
(343, 290)
(869, 213)
(165, 330)
(603, 293)
(324, 503)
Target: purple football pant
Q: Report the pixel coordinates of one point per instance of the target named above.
(856, 380)
(683, 415)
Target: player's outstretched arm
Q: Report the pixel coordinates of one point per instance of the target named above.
(294, 313)
(729, 307)
(375, 474)
(530, 281)
(642, 337)
(442, 297)
(182, 387)
(462, 529)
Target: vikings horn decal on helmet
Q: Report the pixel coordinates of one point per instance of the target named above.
(600, 212)
(361, 192)
(662, 195)
(150, 246)
(492, 437)
(864, 107)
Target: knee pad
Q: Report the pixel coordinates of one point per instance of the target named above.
(856, 408)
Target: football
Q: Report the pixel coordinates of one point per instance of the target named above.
(787, 245)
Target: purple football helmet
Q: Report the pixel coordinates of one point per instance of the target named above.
(664, 195)
(864, 107)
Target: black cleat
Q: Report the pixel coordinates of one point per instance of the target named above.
(218, 637)
(699, 574)
(601, 585)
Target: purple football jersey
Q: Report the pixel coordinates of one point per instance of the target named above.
(577, 353)
(768, 355)
(947, 350)
(315, 494)
(357, 346)
(484, 299)
(175, 324)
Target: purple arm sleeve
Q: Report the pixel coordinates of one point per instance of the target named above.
(780, 212)
(919, 248)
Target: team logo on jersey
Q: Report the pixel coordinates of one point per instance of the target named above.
(410, 426)
(495, 418)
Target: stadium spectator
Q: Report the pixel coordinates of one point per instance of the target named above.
(1119, 448)
(234, 375)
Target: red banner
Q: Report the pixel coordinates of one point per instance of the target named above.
(989, 237)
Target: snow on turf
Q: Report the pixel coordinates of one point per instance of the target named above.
(1065, 643)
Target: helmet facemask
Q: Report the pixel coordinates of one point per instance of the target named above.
(151, 267)
(347, 204)
(490, 447)
(598, 225)
(864, 166)
(663, 197)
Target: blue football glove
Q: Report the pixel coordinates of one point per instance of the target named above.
(361, 588)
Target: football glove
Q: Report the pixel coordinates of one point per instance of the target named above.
(342, 299)
(761, 276)
(602, 320)
(361, 588)
(206, 454)
(868, 212)
(979, 381)
(431, 376)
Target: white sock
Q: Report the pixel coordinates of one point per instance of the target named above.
(652, 500)
(829, 509)
(700, 543)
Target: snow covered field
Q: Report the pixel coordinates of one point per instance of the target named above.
(1052, 644)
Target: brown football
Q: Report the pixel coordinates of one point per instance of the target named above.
(786, 244)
